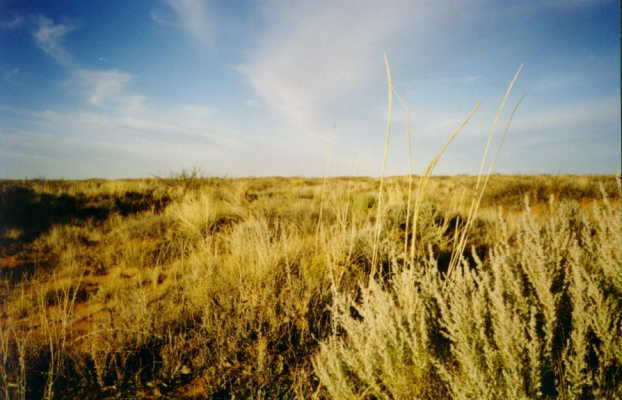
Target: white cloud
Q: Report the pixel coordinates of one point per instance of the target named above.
(575, 120)
(320, 60)
(117, 105)
(316, 56)
(114, 121)
(106, 88)
(49, 37)
(191, 15)
(154, 141)
(187, 120)
(120, 107)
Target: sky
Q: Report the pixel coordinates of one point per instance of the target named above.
(234, 88)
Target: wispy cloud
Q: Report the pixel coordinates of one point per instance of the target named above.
(49, 37)
(119, 109)
(113, 121)
(106, 88)
(191, 15)
(311, 61)
(318, 58)
(116, 104)
(121, 142)
(575, 120)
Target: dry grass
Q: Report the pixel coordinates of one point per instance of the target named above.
(537, 318)
(220, 288)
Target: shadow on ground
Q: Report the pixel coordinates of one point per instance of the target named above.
(30, 214)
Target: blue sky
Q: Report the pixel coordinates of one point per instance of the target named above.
(252, 88)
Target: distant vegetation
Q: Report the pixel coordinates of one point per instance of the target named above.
(192, 287)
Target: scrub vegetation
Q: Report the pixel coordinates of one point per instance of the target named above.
(194, 287)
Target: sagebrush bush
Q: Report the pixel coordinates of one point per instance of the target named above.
(540, 318)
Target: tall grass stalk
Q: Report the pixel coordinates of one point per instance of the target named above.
(13, 369)
(322, 195)
(409, 147)
(493, 128)
(387, 138)
(456, 255)
(424, 179)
